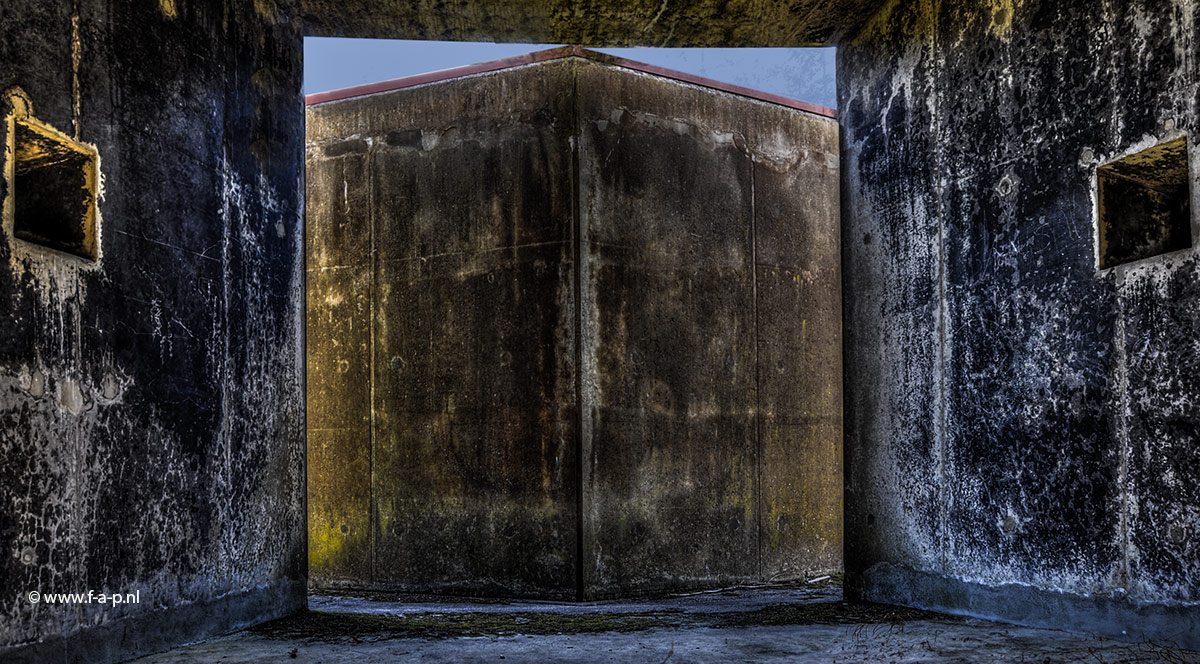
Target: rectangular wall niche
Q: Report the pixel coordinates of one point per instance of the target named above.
(573, 331)
(1144, 204)
(53, 189)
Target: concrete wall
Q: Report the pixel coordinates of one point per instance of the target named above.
(1021, 428)
(593, 22)
(711, 337)
(152, 435)
(496, 250)
(441, 315)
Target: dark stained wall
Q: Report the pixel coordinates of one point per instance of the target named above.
(711, 334)
(442, 406)
(592, 22)
(1021, 427)
(151, 417)
(502, 248)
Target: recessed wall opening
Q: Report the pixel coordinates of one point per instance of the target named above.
(53, 189)
(573, 319)
(1145, 204)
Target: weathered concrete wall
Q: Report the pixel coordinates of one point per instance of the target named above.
(593, 22)
(1021, 428)
(152, 434)
(700, 330)
(442, 402)
(711, 333)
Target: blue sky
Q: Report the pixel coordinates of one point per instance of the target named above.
(806, 74)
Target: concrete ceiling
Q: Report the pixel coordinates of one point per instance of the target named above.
(594, 22)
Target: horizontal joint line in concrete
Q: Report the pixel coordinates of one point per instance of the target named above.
(326, 268)
(531, 245)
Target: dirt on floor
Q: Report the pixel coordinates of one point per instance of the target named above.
(319, 626)
(796, 624)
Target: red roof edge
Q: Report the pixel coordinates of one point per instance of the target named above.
(556, 54)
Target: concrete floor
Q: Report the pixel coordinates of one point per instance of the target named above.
(795, 624)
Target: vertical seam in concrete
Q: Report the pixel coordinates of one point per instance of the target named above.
(1122, 376)
(372, 520)
(77, 452)
(226, 473)
(940, 188)
(578, 230)
(758, 442)
(302, 188)
(76, 61)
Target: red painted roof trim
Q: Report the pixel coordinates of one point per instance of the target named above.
(556, 54)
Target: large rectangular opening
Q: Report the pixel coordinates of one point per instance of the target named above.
(574, 330)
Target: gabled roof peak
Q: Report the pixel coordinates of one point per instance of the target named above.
(560, 53)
